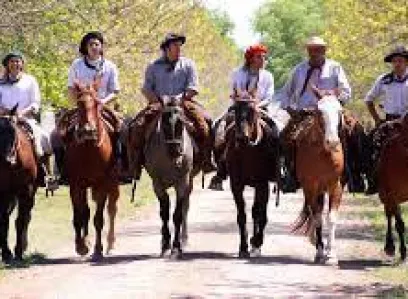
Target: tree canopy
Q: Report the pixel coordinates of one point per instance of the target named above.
(48, 33)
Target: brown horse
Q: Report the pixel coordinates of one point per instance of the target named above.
(252, 160)
(319, 168)
(392, 185)
(89, 162)
(18, 174)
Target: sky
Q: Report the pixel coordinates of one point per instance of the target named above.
(241, 12)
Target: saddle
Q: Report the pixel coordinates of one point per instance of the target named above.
(69, 120)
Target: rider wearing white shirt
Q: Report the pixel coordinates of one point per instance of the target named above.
(250, 82)
(20, 89)
(392, 89)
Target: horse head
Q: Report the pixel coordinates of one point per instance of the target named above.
(88, 112)
(172, 124)
(8, 135)
(246, 123)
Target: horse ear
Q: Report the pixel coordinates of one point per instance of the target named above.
(13, 110)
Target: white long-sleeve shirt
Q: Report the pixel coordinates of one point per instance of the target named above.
(330, 76)
(86, 75)
(393, 94)
(25, 92)
(243, 80)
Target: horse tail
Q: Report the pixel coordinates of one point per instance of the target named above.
(305, 222)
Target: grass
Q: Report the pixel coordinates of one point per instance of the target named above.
(396, 273)
(51, 224)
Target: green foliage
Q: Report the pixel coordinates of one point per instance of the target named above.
(284, 26)
(49, 31)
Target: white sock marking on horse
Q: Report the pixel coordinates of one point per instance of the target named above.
(331, 222)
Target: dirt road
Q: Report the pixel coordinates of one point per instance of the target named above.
(210, 268)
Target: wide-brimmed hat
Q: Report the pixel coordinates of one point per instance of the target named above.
(315, 41)
(12, 54)
(83, 46)
(397, 51)
(172, 37)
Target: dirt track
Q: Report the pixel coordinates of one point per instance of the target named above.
(210, 268)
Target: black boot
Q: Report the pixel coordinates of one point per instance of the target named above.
(219, 177)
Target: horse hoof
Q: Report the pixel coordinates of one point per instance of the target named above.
(332, 261)
(176, 254)
(243, 254)
(97, 257)
(82, 249)
(165, 252)
(255, 252)
(390, 251)
(319, 259)
(6, 256)
(184, 242)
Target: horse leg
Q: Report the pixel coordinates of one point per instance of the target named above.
(6, 207)
(237, 192)
(400, 227)
(335, 194)
(164, 202)
(318, 225)
(100, 198)
(176, 251)
(25, 205)
(389, 239)
(184, 228)
(112, 211)
(80, 219)
(260, 218)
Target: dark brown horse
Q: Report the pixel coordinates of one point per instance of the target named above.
(392, 184)
(251, 161)
(90, 163)
(319, 168)
(18, 174)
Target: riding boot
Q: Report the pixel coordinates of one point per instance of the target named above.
(289, 181)
(51, 183)
(219, 177)
(207, 164)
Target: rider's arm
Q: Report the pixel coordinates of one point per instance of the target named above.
(192, 81)
(287, 94)
(375, 92)
(269, 90)
(113, 86)
(344, 90)
(148, 87)
(35, 98)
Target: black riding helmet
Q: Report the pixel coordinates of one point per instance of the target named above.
(86, 38)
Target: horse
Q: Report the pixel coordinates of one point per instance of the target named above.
(90, 163)
(171, 161)
(319, 169)
(18, 182)
(392, 188)
(251, 160)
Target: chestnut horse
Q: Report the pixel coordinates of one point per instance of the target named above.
(18, 174)
(392, 184)
(90, 163)
(319, 168)
(252, 160)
